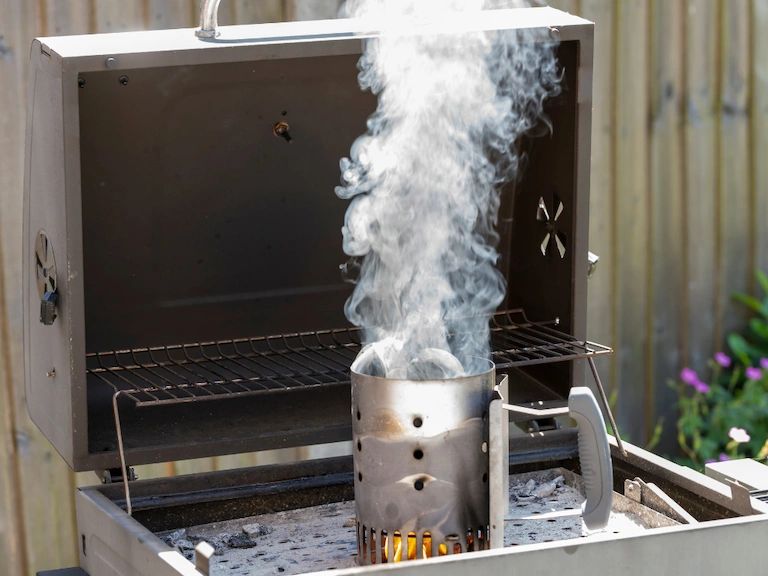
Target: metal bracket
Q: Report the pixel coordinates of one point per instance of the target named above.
(653, 497)
(114, 475)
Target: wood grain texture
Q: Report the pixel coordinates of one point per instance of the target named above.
(250, 12)
(163, 14)
(601, 295)
(759, 131)
(632, 240)
(45, 482)
(701, 173)
(311, 9)
(120, 15)
(735, 248)
(667, 232)
(12, 522)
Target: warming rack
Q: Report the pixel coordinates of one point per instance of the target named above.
(247, 366)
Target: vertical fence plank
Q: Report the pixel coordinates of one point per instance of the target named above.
(632, 254)
(734, 257)
(45, 483)
(12, 524)
(667, 232)
(250, 12)
(572, 6)
(759, 131)
(601, 294)
(65, 18)
(171, 14)
(312, 9)
(119, 15)
(701, 176)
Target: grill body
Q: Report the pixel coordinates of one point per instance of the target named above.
(421, 465)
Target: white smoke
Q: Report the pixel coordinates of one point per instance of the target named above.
(424, 179)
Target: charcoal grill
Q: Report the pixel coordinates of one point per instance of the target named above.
(182, 295)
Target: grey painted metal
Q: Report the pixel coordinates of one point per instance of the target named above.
(421, 462)
(594, 457)
(118, 544)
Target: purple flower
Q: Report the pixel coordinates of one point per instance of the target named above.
(754, 373)
(723, 457)
(723, 359)
(764, 363)
(700, 387)
(689, 376)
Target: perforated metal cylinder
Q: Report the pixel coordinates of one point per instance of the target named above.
(421, 465)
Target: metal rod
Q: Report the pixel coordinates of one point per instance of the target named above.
(208, 19)
(121, 450)
(606, 406)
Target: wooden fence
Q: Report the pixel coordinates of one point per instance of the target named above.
(679, 212)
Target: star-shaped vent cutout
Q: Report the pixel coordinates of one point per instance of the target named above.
(553, 235)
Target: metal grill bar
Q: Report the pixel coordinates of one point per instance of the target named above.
(241, 367)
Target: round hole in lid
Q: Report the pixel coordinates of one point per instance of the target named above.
(360, 476)
(419, 484)
(359, 446)
(418, 454)
(418, 422)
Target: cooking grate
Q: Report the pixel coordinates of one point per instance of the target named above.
(229, 368)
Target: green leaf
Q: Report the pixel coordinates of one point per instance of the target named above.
(740, 348)
(762, 278)
(752, 303)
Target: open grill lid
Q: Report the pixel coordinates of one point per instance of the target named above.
(179, 210)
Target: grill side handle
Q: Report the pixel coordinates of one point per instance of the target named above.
(209, 21)
(594, 456)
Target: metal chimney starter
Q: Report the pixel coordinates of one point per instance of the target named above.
(421, 466)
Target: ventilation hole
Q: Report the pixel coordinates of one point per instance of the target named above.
(419, 484)
(373, 546)
(384, 551)
(549, 540)
(513, 544)
(359, 476)
(569, 508)
(359, 446)
(485, 477)
(426, 545)
(518, 524)
(358, 415)
(536, 512)
(397, 545)
(418, 454)
(417, 422)
(551, 519)
(616, 532)
(567, 528)
(411, 546)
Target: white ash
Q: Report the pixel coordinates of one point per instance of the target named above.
(323, 537)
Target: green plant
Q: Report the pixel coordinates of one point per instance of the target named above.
(727, 417)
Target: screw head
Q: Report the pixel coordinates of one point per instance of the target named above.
(110, 62)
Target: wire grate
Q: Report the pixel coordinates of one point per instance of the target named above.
(231, 368)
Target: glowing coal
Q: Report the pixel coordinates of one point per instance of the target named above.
(424, 179)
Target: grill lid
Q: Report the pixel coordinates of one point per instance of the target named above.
(184, 190)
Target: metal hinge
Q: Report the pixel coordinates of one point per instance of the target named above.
(113, 475)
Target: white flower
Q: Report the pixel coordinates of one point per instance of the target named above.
(738, 435)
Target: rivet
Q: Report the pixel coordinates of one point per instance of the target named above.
(110, 62)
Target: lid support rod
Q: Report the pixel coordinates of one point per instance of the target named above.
(606, 405)
(121, 450)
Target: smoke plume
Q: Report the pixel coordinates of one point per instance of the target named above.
(424, 179)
